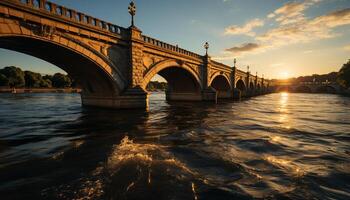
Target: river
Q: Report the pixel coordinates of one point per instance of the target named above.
(277, 146)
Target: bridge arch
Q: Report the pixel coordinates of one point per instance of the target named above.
(221, 83)
(284, 88)
(97, 76)
(251, 85)
(183, 81)
(258, 87)
(168, 69)
(241, 85)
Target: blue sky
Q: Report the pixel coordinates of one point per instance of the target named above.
(278, 38)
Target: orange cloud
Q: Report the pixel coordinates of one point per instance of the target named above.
(247, 29)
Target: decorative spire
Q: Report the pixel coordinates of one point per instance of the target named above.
(132, 12)
(206, 46)
(248, 68)
(234, 62)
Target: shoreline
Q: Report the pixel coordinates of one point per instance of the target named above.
(39, 90)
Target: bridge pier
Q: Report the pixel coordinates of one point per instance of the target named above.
(131, 98)
(206, 95)
(172, 96)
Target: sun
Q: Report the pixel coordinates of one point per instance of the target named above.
(284, 75)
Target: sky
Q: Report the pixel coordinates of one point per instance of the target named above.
(277, 38)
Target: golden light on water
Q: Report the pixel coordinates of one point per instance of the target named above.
(283, 102)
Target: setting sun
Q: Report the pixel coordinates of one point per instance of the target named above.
(211, 99)
(284, 75)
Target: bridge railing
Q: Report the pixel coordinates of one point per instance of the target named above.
(72, 15)
(170, 47)
(220, 65)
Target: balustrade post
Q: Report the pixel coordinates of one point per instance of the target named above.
(42, 4)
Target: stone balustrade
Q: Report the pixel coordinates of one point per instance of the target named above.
(73, 15)
(170, 47)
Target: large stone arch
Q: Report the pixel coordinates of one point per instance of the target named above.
(258, 87)
(97, 76)
(284, 88)
(220, 74)
(162, 65)
(222, 84)
(241, 85)
(251, 85)
(183, 81)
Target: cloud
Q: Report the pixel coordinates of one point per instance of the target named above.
(333, 19)
(244, 48)
(308, 30)
(247, 29)
(292, 12)
(294, 28)
(347, 48)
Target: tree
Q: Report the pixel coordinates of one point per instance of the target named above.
(4, 81)
(45, 83)
(61, 81)
(344, 75)
(14, 75)
(32, 79)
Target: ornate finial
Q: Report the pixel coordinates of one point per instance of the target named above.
(234, 62)
(132, 11)
(206, 46)
(256, 74)
(263, 76)
(248, 68)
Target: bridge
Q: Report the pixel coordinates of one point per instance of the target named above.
(112, 64)
(310, 87)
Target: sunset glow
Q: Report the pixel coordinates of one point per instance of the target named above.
(306, 36)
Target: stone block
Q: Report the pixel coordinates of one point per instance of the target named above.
(4, 10)
(16, 13)
(64, 41)
(32, 18)
(48, 22)
(73, 29)
(5, 29)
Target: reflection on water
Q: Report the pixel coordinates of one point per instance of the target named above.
(278, 146)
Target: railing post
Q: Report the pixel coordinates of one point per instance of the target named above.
(42, 4)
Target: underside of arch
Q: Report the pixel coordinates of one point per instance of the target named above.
(222, 86)
(89, 75)
(240, 85)
(183, 81)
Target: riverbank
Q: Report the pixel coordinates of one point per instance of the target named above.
(40, 90)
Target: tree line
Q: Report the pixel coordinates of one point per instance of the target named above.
(15, 77)
(342, 77)
(156, 85)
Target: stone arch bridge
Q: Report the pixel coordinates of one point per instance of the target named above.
(112, 64)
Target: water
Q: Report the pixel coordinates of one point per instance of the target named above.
(278, 146)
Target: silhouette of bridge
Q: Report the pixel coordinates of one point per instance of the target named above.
(112, 64)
